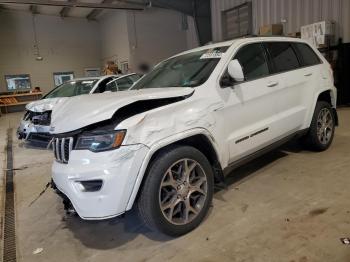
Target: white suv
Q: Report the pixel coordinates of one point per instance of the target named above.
(183, 126)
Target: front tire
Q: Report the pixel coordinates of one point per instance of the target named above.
(321, 132)
(177, 191)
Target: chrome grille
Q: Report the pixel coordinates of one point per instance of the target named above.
(61, 148)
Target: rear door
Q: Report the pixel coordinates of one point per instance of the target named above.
(293, 83)
(311, 66)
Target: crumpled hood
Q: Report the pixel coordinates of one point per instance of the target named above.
(43, 105)
(81, 111)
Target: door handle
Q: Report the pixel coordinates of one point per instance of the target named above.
(272, 84)
(308, 74)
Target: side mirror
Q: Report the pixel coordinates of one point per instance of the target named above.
(235, 70)
(226, 81)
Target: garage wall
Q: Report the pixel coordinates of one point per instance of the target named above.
(114, 37)
(62, 48)
(297, 13)
(191, 33)
(155, 34)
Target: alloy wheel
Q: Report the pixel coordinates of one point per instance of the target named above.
(325, 126)
(183, 191)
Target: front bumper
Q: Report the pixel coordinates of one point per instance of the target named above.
(33, 133)
(118, 170)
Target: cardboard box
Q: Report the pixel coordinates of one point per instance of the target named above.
(273, 29)
(295, 34)
(324, 28)
(319, 34)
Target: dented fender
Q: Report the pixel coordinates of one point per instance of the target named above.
(161, 144)
(152, 126)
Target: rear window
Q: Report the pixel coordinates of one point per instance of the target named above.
(283, 56)
(307, 56)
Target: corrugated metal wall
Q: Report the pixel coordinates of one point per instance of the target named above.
(296, 12)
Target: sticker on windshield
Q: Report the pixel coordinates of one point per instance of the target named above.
(87, 82)
(213, 54)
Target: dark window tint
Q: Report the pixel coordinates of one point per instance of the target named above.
(252, 59)
(134, 78)
(112, 86)
(103, 85)
(124, 83)
(283, 56)
(121, 84)
(307, 55)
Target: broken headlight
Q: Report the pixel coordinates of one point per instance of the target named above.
(101, 142)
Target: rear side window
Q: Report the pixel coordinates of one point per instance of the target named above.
(253, 61)
(306, 54)
(283, 56)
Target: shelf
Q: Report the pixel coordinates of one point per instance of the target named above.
(24, 94)
(15, 104)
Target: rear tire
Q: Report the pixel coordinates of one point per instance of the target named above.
(177, 191)
(321, 131)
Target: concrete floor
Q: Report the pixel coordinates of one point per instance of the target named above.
(290, 205)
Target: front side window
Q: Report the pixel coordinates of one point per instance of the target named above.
(252, 59)
(134, 78)
(188, 70)
(120, 84)
(307, 55)
(72, 88)
(103, 85)
(123, 83)
(283, 56)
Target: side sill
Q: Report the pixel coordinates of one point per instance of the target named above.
(248, 158)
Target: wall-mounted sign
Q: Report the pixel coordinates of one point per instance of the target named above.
(61, 77)
(18, 82)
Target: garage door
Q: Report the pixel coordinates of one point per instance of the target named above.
(237, 21)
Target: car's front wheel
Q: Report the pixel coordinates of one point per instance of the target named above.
(177, 191)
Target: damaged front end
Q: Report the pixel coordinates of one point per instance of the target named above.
(35, 126)
(67, 204)
(96, 159)
(102, 136)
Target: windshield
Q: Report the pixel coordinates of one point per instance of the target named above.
(72, 88)
(188, 70)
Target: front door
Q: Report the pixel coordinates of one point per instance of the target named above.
(251, 105)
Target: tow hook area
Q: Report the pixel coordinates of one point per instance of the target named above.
(21, 135)
(68, 207)
(67, 204)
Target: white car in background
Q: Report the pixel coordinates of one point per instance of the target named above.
(35, 124)
(163, 144)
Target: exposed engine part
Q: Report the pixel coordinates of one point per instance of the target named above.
(38, 118)
(125, 112)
